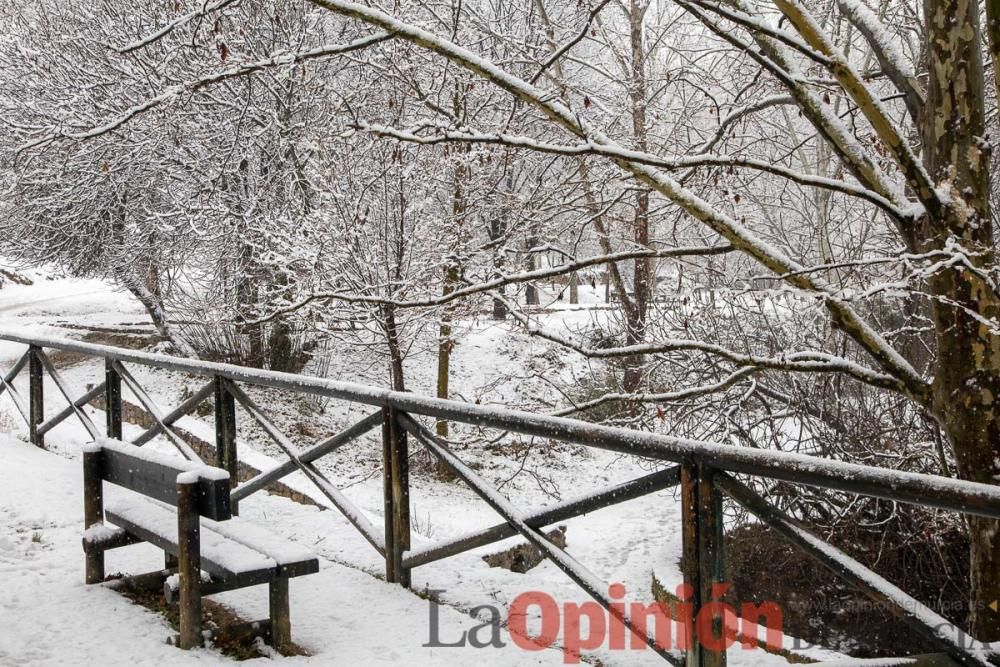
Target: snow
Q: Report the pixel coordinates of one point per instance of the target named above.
(282, 551)
(191, 471)
(189, 477)
(101, 532)
(216, 549)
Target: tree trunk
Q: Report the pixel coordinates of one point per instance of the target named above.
(452, 273)
(154, 307)
(530, 289)
(967, 381)
(497, 228)
(635, 320)
(445, 345)
(395, 348)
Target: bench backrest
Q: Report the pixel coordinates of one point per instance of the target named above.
(155, 475)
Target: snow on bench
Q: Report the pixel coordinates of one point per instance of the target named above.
(185, 508)
(156, 523)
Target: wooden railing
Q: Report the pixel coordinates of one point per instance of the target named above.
(705, 472)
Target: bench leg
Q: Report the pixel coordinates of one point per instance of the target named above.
(95, 567)
(189, 564)
(281, 623)
(93, 512)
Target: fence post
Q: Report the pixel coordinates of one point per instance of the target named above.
(36, 407)
(225, 431)
(396, 488)
(387, 504)
(93, 510)
(189, 562)
(113, 400)
(689, 557)
(702, 563)
(711, 534)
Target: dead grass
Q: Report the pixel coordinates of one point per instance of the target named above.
(101, 336)
(214, 617)
(670, 601)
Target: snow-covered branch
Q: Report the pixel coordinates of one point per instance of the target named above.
(441, 135)
(798, 362)
(499, 282)
(662, 397)
(892, 62)
(205, 10)
(868, 103)
(282, 59)
(736, 233)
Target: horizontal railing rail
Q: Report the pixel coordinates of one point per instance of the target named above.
(704, 471)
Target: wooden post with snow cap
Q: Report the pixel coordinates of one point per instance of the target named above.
(113, 399)
(93, 508)
(396, 486)
(189, 560)
(36, 403)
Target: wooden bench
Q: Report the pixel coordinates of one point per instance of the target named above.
(171, 497)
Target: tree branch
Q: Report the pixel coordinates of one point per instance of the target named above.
(275, 60)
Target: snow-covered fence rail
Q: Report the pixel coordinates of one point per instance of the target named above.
(704, 471)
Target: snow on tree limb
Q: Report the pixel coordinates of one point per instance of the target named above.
(890, 135)
(896, 67)
(442, 135)
(737, 234)
(281, 59)
(501, 281)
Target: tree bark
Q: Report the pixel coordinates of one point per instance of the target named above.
(154, 308)
(530, 289)
(635, 318)
(451, 276)
(967, 379)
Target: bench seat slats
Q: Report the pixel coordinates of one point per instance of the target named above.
(101, 537)
(179, 506)
(156, 523)
(294, 560)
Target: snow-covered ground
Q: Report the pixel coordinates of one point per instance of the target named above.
(345, 614)
(49, 617)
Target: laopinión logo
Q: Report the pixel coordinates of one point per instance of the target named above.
(585, 626)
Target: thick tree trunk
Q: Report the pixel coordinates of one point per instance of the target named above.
(967, 380)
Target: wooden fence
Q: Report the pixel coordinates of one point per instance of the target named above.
(706, 473)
